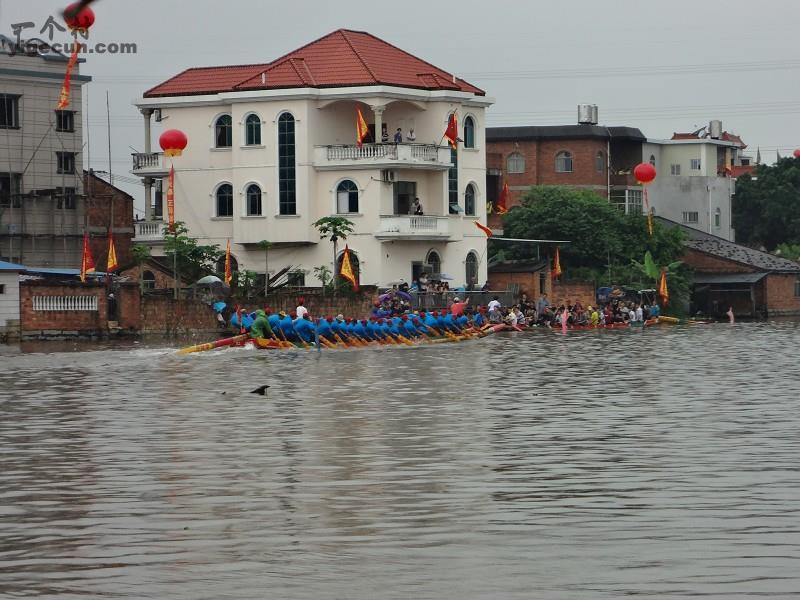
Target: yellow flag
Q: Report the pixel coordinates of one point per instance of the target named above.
(347, 269)
(228, 273)
(111, 263)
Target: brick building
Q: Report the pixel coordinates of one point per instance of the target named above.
(104, 202)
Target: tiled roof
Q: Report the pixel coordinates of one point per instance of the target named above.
(343, 58)
(562, 132)
(738, 171)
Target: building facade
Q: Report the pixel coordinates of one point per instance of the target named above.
(272, 148)
(42, 201)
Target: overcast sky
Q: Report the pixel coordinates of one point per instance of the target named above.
(660, 66)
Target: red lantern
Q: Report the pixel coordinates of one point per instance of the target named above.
(78, 18)
(172, 142)
(797, 153)
(644, 173)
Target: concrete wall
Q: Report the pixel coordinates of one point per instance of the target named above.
(9, 305)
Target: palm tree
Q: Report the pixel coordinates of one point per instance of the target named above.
(265, 245)
(334, 229)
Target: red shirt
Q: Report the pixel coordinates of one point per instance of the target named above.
(457, 308)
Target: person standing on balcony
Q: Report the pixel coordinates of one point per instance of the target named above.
(384, 134)
(416, 207)
(411, 137)
(398, 136)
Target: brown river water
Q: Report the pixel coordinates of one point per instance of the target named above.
(658, 464)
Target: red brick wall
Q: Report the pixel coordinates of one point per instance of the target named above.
(129, 309)
(569, 292)
(99, 216)
(319, 305)
(163, 281)
(780, 294)
(167, 316)
(82, 322)
(700, 261)
(529, 283)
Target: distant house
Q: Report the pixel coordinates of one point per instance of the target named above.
(9, 300)
(754, 283)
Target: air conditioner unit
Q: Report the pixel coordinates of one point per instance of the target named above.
(387, 175)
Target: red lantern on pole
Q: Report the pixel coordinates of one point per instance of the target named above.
(645, 173)
(797, 153)
(78, 18)
(173, 142)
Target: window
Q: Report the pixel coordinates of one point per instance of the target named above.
(347, 197)
(65, 198)
(469, 201)
(2, 289)
(65, 120)
(253, 194)
(65, 162)
(718, 218)
(599, 162)
(223, 132)
(354, 263)
(252, 130)
(225, 200)
(675, 169)
(287, 182)
(298, 278)
(564, 162)
(9, 111)
(148, 280)
(691, 217)
(797, 288)
(452, 184)
(695, 165)
(653, 160)
(10, 189)
(469, 133)
(633, 204)
(515, 163)
(472, 270)
(434, 260)
(220, 266)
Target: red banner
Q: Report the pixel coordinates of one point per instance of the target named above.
(63, 98)
(171, 199)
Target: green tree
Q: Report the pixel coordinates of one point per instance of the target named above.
(766, 207)
(602, 239)
(193, 260)
(265, 246)
(323, 273)
(334, 229)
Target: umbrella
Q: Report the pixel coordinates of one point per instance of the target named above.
(209, 279)
(218, 306)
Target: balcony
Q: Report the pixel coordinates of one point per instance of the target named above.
(149, 164)
(623, 179)
(149, 231)
(382, 156)
(413, 227)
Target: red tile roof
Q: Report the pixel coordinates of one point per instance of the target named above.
(725, 137)
(343, 58)
(685, 136)
(738, 171)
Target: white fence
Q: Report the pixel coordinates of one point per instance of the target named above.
(65, 303)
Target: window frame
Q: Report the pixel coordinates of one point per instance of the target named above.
(66, 198)
(65, 121)
(252, 124)
(351, 191)
(687, 217)
(438, 261)
(474, 255)
(469, 132)
(473, 210)
(718, 218)
(248, 199)
(519, 158)
(675, 169)
(600, 161)
(567, 158)
(11, 111)
(452, 184)
(217, 191)
(693, 162)
(148, 284)
(63, 160)
(218, 129)
(287, 173)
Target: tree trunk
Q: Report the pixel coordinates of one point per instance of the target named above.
(335, 270)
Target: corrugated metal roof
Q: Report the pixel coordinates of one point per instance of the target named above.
(563, 132)
(722, 278)
(343, 58)
(8, 266)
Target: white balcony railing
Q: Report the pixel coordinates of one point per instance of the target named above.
(148, 162)
(149, 231)
(383, 156)
(65, 303)
(413, 227)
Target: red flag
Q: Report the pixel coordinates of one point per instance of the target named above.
(87, 262)
(111, 262)
(63, 97)
(347, 269)
(483, 228)
(663, 292)
(171, 199)
(228, 273)
(502, 202)
(362, 131)
(451, 133)
(557, 264)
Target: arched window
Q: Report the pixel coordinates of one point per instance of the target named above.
(653, 160)
(347, 197)
(220, 266)
(354, 263)
(472, 270)
(148, 280)
(253, 194)
(469, 132)
(452, 184)
(600, 162)
(225, 200)
(252, 130)
(469, 200)
(434, 260)
(223, 132)
(564, 162)
(515, 163)
(718, 218)
(287, 182)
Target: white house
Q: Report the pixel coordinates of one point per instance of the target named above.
(272, 148)
(9, 299)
